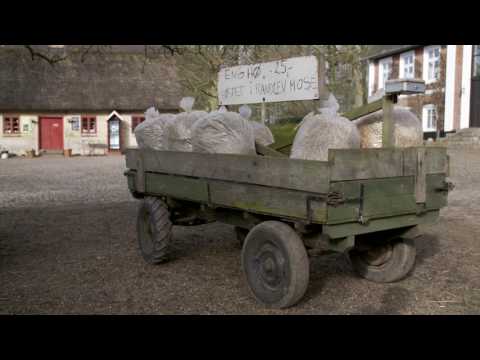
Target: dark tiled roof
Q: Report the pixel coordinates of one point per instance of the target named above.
(115, 80)
(379, 51)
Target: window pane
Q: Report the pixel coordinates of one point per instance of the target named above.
(92, 125)
(476, 62)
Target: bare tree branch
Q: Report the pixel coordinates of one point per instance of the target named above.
(37, 54)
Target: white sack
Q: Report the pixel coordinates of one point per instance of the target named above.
(150, 134)
(262, 133)
(178, 133)
(319, 133)
(407, 129)
(223, 133)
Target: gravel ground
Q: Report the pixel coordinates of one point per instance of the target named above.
(67, 246)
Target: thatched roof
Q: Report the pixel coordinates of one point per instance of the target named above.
(115, 80)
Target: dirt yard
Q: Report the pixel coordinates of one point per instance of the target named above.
(68, 246)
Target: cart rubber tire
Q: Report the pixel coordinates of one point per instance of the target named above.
(241, 234)
(154, 230)
(276, 264)
(386, 263)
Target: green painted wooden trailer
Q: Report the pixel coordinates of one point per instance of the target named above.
(365, 203)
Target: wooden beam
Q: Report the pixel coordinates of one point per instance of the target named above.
(387, 126)
(267, 151)
(280, 172)
(363, 110)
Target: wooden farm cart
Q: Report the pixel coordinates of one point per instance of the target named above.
(365, 203)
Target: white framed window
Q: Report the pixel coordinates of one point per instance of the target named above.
(476, 60)
(431, 63)
(407, 65)
(384, 71)
(371, 78)
(429, 118)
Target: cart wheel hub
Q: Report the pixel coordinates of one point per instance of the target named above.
(270, 266)
(378, 255)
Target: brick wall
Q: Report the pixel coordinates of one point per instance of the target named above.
(416, 102)
(458, 87)
(419, 62)
(395, 66)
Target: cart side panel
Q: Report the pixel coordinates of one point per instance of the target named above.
(435, 198)
(177, 187)
(380, 198)
(394, 181)
(252, 198)
(303, 175)
(266, 200)
(357, 164)
(343, 230)
(354, 164)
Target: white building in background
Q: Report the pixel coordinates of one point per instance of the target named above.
(452, 76)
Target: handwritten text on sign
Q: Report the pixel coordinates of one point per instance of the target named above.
(283, 80)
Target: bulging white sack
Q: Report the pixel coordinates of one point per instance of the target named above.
(262, 133)
(407, 129)
(150, 134)
(223, 133)
(178, 133)
(319, 133)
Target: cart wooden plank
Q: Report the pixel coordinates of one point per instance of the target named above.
(353, 164)
(395, 222)
(435, 199)
(265, 200)
(366, 164)
(381, 198)
(304, 175)
(177, 187)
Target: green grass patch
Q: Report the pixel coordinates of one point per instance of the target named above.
(283, 135)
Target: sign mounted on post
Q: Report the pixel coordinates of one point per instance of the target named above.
(282, 80)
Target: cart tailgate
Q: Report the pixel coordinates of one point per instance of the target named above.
(381, 183)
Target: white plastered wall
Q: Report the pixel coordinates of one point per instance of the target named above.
(466, 83)
(450, 87)
(27, 139)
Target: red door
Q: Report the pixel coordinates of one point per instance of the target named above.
(51, 133)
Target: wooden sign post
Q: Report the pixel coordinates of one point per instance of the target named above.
(393, 88)
(389, 102)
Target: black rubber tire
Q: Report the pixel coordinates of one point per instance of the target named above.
(241, 234)
(154, 230)
(276, 264)
(398, 261)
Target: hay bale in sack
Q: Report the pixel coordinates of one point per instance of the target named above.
(319, 133)
(223, 133)
(178, 133)
(150, 134)
(262, 134)
(407, 130)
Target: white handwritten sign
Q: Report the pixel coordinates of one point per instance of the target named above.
(282, 80)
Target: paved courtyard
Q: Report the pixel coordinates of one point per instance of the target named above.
(68, 246)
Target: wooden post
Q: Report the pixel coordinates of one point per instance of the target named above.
(387, 128)
(264, 112)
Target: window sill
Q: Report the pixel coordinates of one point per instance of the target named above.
(428, 82)
(89, 135)
(12, 135)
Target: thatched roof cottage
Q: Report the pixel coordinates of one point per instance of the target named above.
(87, 101)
